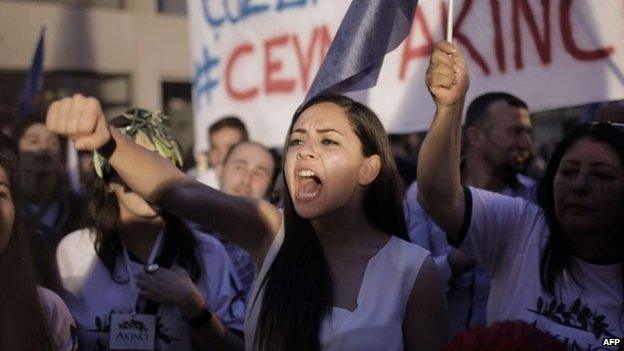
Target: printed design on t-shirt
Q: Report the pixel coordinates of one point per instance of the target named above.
(102, 325)
(133, 324)
(577, 316)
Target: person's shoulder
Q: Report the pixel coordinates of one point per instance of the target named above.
(78, 238)
(76, 248)
(60, 321)
(407, 248)
(52, 304)
(491, 197)
(406, 260)
(516, 213)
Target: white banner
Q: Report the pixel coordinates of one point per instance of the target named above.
(256, 58)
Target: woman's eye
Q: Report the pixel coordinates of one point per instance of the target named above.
(568, 173)
(329, 142)
(294, 142)
(603, 176)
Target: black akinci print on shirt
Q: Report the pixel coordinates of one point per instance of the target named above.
(102, 326)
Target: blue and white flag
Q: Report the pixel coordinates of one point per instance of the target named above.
(34, 80)
(369, 30)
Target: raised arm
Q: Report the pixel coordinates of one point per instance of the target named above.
(247, 222)
(440, 191)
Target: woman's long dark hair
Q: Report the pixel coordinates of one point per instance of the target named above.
(103, 216)
(23, 324)
(298, 287)
(557, 254)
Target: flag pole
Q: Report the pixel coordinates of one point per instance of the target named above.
(449, 22)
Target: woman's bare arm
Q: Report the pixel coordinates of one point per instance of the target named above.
(426, 321)
(250, 223)
(439, 185)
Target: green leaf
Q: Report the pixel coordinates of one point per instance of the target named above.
(178, 155)
(576, 306)
(161, 147)
(583, 322)
(540, 304)
(98, 164)
(552, 305)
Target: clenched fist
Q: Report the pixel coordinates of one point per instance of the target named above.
(80, 119)
(447, 76)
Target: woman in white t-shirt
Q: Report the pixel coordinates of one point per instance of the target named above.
(186, 279)
(335, 269)
(32, 318)
(558, 264)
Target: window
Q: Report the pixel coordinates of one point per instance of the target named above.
(172, 6)
(101, 3)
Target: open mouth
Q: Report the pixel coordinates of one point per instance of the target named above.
(309, 185)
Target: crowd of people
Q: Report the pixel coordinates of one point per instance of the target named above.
(317, 247)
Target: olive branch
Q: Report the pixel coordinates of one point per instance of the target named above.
(576, 316)
(152, 124)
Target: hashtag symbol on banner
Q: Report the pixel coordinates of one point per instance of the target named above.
(203, 82)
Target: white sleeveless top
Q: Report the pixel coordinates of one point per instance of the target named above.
(377, 322)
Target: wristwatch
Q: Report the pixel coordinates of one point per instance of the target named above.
(201, 320)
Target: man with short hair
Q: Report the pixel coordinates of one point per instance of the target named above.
(222, 135)
(497, 146)
(249, 169)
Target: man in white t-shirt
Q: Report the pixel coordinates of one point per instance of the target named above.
(497, 147)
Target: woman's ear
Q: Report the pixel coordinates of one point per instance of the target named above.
(369, 170)
(113, 184)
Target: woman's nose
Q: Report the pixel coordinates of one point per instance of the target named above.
(306, 152)
(580, 184)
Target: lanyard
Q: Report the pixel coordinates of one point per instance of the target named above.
(150, 260)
